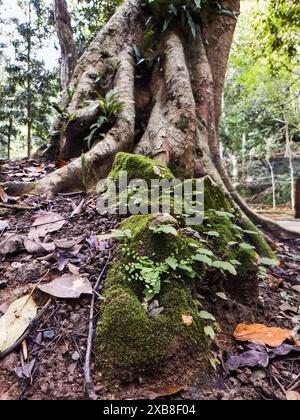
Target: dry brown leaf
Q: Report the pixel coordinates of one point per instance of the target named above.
(3, 196)
(11, 243)
(47, 223)
(164, 392)
(187, 320)
(69, 286)
(292, 396)
(67, 244)
(261, 334)
(38, 248)
(73, 269)
(16, 320)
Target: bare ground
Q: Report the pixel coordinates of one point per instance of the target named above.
(57, 346)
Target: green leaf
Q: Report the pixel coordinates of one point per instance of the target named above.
(191, 23)
(203, 258)
(213, 234)
(233, 243)
(214, 363)
(205, 252)
(250, 232)
(226, 266)
(173, 9)
(235, 262)
(167, 23)
(209, 331)
(268, 261)
(222, 295)
(172, 262)
(137, 52)
(246, 247)
(167, 229)
(224, 214)
(207, 316)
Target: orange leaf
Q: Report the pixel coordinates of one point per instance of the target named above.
(261, 334)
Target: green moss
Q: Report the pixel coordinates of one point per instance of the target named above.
(215, 198)
(128, 339)
(139, 167)
(261, 245)
(126, 336)
(182, 123)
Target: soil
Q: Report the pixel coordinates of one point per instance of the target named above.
(50, 366)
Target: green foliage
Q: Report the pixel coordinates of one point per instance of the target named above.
(276, 24)
(110, 107)
(186, 12)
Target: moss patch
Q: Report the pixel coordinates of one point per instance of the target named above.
(127, 337)
(139, 167)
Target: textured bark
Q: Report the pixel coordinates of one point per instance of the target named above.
(66, 41)
(171, 114)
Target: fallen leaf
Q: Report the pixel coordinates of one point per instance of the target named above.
(164, 392)
(25, 371)
(47, 223)
(67, 244)
(251, 358)
(69, 286)
(73, 269)
(3, 225)
(261, 334)
(292, 396)
(3, 195)
(78, 209)
(16, 320)
(187, 320)
(36, 247)
(10, 244)
(283, 350)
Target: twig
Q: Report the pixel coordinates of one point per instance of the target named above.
(87, 366)
(27, 332)
(25, 227)
(294, 384)
(18, 207)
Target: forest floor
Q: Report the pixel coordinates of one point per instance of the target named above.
(50, 365)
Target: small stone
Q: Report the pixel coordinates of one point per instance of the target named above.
(156, 312)
(75, 356)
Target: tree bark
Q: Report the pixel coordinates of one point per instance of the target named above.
(10, 129)
(175, 106)
(66, 41)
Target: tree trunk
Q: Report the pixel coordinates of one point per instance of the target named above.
(10, 127)
(29, 96)
(173, 102)
(66, 41)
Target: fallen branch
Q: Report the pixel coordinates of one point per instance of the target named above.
(29, 330)
(90, 388)
(19, 207)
